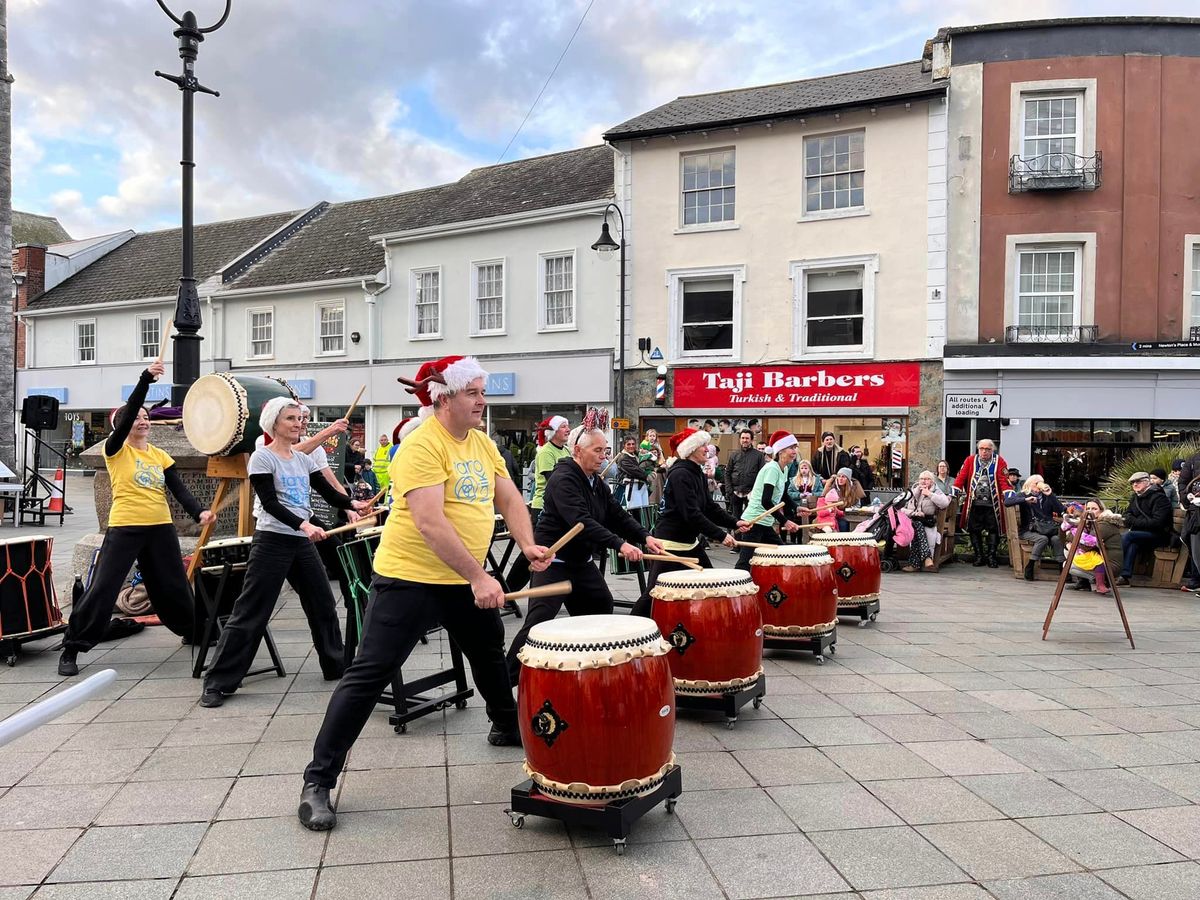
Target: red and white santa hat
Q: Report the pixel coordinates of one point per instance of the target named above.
(781, 440)
(447, 375)
(686, 442)
(404, 429)
(547, 428)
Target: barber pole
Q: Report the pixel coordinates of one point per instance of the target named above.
(660, 389)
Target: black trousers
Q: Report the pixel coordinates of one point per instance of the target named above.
(275, 558)
(981, 519)
(645, 604)
(518, 572)
(328, 551)
(758, 534)
(156, 551)
(398, 613)
(589, 596)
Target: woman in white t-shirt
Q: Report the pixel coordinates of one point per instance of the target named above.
(282, 549)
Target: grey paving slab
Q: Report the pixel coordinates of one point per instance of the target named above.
(553, 875)
(1178, 827)
(293, 884)
(149, 710)
(796, 867)
(1078, 886)
(100, 736)
(947, 702)
(1176, 881)
(925, 727)
(794, 765)
(673, 870)
(707, 771)
(1065, 722)
(427, 878)
(1050, 754)
(990, 725)
(1131, 749)
(756, 735)
(367, 837)
(400, 751)
(145, 889)
(1016, 700)
(928, 801)
(839, 730)
(870, 762)
(43, 739)
(1184, 743)
(1025, 795)
(390, 788)
(1100, 841)
(989, 850)
(493, 782)
(806, 706)
(53, 806)
(487, 829)
(82, 767)
(200, 732)
(130, 853)
(881, 704)
(1117, 789)
(29, 855)
(732, 813)
(825, 807)
(257, 845)
(179, 763)
(886, 857)
(966, 758)
(157, 802)
(1181, 780)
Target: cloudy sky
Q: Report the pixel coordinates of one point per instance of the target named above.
(354, 98)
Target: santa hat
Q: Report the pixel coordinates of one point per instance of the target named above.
(404, 429)
(447, 375)
(688, 441)
(270, 412)
(781, 440)
(547, 428)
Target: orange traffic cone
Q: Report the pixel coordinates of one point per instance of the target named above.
(56, 493)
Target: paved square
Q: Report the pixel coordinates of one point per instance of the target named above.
(943, 753)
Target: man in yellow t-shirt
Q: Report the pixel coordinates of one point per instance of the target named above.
(448, 481)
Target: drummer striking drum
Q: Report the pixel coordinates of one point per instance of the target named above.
(447, 480)
(770, 490)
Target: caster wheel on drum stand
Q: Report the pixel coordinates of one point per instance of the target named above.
(757, 702)
(671, 801)
(518, 820)
(730, 723)
(619, 846)
(874, 616)
(402, 728)
(833, 649)
(460, 704)
(10, 660)
(862, 623)
(820, 660)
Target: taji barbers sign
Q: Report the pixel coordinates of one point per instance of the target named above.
(774, 387)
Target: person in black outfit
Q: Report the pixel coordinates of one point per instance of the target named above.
(514, 471)
(689, 512)
(139, 528)
(830, 457)
(1150, 520)
(629, 469)
(740, 472)
(575, 493)
(1037, 507)
(863, 473)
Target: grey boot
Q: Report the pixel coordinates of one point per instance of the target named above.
(316, 813)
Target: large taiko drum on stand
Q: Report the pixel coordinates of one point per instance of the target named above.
(855, 566)
(712, 622)
(220, 411)
(797, 591)
(596, 707)
(28, 603)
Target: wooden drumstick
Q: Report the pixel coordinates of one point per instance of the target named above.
(562, 541)
(355, 403)
(162, 347)
(754, 544)
(546, 590)
(770, 512)
(364, 519)
(681, 560)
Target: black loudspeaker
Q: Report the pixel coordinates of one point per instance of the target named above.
(40, 412)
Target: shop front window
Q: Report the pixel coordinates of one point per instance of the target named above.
(1076, 455)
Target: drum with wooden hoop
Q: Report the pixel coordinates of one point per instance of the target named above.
(227, 550)
(28, 602)
(712, 622)
(797, 591)
(855, 566)
(220, 411)
(596, 707)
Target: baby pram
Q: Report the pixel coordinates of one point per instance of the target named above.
(881, 527)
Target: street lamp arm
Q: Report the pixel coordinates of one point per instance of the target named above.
(180, 22)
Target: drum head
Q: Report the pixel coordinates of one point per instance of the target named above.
(214, 413)
(791, 555)
(707, 578)
(591, 642)
(853, 538)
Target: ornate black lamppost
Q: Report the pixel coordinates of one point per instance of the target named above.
(187, 339)
(605, 246)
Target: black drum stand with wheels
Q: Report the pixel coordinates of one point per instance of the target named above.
(815, 644)
(863, 611)
(728, 703)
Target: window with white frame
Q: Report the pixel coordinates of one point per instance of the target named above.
(1194, 306)
(705, 312)
(558, 291)
(331, 327)
(708, 189)
(85, 341)
(1048, 289)
(487, 288)
(834, 307)
(426, 292)
(834, 171)
(1051, 131)
(261, 327)
(149, 333)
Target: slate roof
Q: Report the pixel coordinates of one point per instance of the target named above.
(30, 228)
(1076, 20)
(772, 101)
(147, 265)
(336, 244)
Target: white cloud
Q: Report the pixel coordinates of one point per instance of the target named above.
(63, 170)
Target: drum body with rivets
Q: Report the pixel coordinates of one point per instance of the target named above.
(596, 708)
(798, 595)
(855, 565)
(221, 410)
(712, 621)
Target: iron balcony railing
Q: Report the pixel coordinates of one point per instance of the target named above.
(1054, 172)
(1051, 334)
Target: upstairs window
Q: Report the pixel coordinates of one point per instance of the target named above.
(1048, 290)
(558, 291)
(331, 328)
(488, 289)
(1195, 292)
(427, 303)
(834, 172)
(708, 188)
(262, 333)
(148, 335)
(1050, 132)
(85, 341)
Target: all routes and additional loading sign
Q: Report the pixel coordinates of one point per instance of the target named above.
(972, 406)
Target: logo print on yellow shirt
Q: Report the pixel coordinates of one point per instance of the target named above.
(472, 485)
(147, 475)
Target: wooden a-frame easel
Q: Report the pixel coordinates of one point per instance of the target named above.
(1086, 524)
(228, 470)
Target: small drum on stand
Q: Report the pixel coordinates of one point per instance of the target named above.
(856, 569)
(798, 598)
(28, 602)
(712, 621)
(596, 707)
(227, 550)
(220, 411)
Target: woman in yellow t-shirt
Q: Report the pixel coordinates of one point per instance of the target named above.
(139, 528)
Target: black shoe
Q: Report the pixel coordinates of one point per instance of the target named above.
(211, 698)
(499, 737)
(1082, 585)
(316, 813)
(335, 675)
(1029, 576)
(1122, 581)
(66, 663)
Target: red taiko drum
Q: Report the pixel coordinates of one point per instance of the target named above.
(596, 707)
(712, 622)
(855, 565)
(28, 602)
(798, 594)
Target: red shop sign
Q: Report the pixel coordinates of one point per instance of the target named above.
(774, 387)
